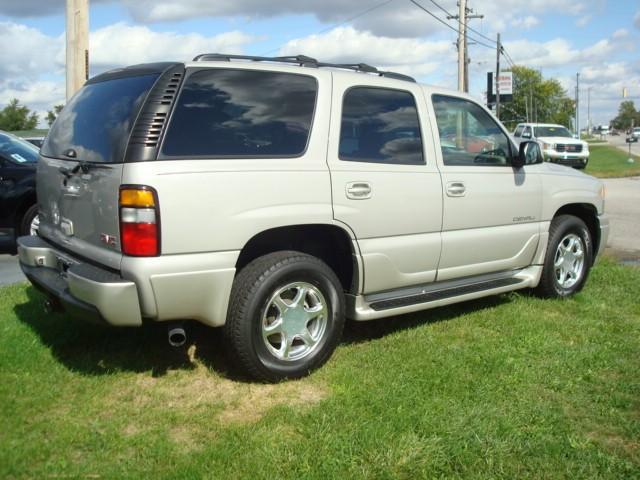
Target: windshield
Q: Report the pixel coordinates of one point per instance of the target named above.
(552, 132)
(17, 150)
(97, 121)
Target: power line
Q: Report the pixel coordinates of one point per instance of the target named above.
(336, 25)
(446, 24)
(466, 25)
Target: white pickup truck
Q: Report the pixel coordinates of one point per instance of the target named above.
(557, 143)
(275, 197)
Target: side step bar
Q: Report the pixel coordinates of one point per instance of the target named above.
(439, 294)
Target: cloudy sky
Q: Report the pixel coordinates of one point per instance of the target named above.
(598, 38)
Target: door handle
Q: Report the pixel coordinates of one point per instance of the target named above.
(456, 189)
(358, 190)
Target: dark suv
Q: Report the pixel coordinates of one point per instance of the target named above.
(18, 207)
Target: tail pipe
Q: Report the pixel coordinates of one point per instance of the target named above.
(176, 335)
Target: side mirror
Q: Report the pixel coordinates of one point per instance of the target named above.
(526, 135)
(528, 154)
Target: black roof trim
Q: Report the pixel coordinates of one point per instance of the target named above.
(133, 71)
(303, 61)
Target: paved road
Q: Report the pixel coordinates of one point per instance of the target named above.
(9, 270)
(618, 141)
(623, 207)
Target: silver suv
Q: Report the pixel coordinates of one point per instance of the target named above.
(275, 197)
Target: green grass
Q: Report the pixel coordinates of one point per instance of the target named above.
(38, 132)
(606, 162)
(507, 387)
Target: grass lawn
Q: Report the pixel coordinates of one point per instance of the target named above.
(38, 132)
(606, 161)
(506, 387)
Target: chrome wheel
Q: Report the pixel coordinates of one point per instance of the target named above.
(569, 261)
(34, 225)
(294, 321)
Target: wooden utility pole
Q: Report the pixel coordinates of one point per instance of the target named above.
(498, 51)
(462, 43)
(77, 45)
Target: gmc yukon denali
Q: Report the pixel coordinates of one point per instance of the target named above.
(275, 197)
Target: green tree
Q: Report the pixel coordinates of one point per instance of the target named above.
(537, 99)
(53, 114)
(627, 116)
(17, 117)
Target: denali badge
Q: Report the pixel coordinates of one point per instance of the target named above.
(108, 239)
(528, 218)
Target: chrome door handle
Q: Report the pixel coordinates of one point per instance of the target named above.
(358, 190)
(456, 189)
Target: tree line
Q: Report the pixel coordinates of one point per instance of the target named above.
(16, 117)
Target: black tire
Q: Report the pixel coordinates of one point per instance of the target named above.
(25, 223)
(251, 295)
(561, 228)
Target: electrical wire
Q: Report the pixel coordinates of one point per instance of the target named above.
(336, 25)
(446, 24)
(466, 25)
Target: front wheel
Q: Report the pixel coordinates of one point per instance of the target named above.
(30, 222)
(286, 316)
(568, 259)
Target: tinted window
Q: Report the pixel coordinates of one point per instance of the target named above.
(244, 113)
(380, 126)
(468, 134)
(97, 121)
(16, 150)
(518, 131)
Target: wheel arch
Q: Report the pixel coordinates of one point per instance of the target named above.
(588, 213)
(331, 243)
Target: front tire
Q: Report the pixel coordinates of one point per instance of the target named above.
(568, 259)
(286, 316)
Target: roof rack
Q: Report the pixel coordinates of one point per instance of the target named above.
(303, 61)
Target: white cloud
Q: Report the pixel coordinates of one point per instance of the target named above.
(583, 21)
(26, 52)
(525, 22)
(636, 19)
(620, 33)
(557, 53)
(348, 45)
(121, 44)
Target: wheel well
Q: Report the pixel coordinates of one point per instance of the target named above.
(24, 205)
(329, 243)
(589, 215)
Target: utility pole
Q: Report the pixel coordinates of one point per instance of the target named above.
(578, 104)
(77, 45)
(589, 111)
(465, 14)
(498, 51)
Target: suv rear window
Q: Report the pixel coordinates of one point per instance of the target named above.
(241, 113)
(97, 121)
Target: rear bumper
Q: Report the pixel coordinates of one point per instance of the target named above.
(168, 287)
(86, 291)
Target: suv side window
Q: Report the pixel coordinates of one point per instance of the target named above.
(468, 135)
(224, 113)
(380, 125)
(518, 131)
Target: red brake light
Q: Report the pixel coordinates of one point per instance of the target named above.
(139, 224)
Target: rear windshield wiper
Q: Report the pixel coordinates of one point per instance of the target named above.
(85, 167)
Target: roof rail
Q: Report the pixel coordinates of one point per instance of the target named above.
(303, 61)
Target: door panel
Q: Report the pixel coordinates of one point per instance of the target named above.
(394, 209)
(491, 212)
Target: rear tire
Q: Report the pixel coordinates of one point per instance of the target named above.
(286, 316)
(568, 259)
(29, 223)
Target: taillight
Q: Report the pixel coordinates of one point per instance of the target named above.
(139, 221)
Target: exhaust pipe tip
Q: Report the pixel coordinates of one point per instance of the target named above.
(50, 306)
(177, 336)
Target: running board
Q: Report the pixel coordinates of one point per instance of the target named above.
(426, 297)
